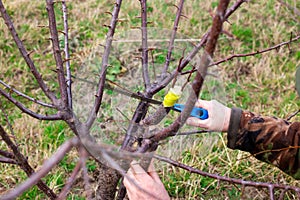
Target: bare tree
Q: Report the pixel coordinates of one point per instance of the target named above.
(135, 145)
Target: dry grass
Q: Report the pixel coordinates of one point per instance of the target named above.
(263, 84)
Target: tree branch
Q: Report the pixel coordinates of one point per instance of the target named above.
(227, 179)
(57, 52)
(139, 114)
(233, 8)
(172, 39)
(81, 164)
(8, 123)
(7, 160)
(276, 47)
(23, 163)
(69, 183)
(291, 8)
(25, 55)
(166, 80)
(47, 166)
(57, 116)
(26, 96)
(7, 154)
(145, 45)
(191, 132)
(67, 56)
(104, 64)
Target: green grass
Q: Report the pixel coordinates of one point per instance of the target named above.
(263, 84)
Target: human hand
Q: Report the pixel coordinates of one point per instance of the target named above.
(144, 185)
(218, 116)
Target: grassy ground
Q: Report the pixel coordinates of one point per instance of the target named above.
(262, 83)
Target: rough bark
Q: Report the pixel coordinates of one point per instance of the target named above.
(107, 183)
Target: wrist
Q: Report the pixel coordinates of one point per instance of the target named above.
(227, 119)
(234, 126)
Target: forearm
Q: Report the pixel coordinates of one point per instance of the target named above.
(269, 139)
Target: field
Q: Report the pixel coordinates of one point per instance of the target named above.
(263, 83)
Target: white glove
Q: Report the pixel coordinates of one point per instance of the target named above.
(218, 116)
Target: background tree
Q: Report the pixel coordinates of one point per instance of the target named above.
(47, 98)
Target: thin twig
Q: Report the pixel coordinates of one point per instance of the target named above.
(188, 79)
(28, 111)
(172, 39)
(191, 132)
(269, 151)
(8, 123)
(271, 191)
(26, 96)
(23, 163)
(281, 197)
(145, 71)
(7, 160)
(223, 178)
(152, 62)
(139, 114)
(44, 170)
(292, 115)
(104, 64)
(57, 52)
(165, 81)
(233, 8)
(66, 189)
(26, 56)
(276, 47)
(7, 154)
(67, 56)
(291, 8)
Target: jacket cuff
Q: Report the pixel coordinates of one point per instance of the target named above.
(234, 126)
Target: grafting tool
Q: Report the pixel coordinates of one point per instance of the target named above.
(200, 113)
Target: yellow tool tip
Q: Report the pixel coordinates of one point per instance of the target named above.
(173, 95)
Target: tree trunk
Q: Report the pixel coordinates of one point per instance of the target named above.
(107, 182)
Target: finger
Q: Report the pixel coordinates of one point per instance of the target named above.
(136, 168)
(130, 186)
(151, 166)
(152, 172)
(193, 121)
(202, 103)
(139, 173)
(154, 176)
(126, 181)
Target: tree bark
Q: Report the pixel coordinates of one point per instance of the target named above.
(107, 182)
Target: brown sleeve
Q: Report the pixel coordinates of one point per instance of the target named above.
(269, 139)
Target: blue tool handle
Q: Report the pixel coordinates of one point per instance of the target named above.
(200, 113)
